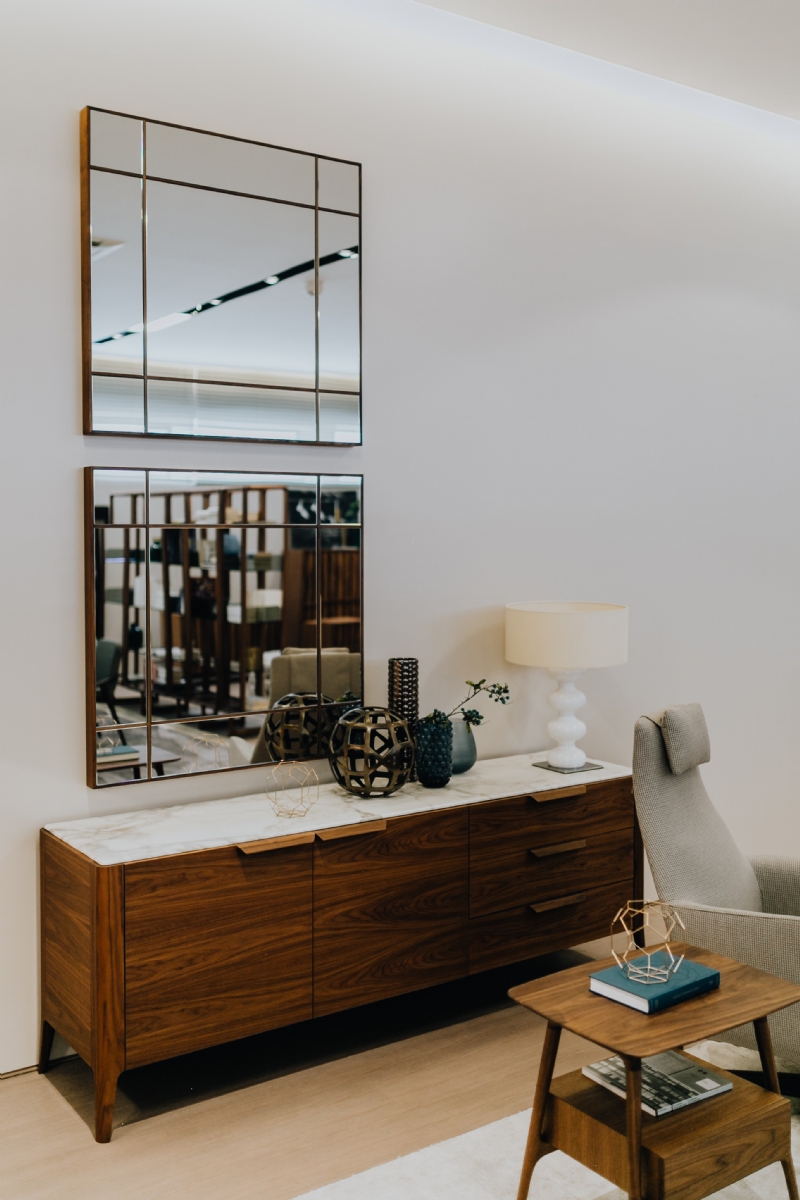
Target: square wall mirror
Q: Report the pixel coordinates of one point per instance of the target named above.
(221, 286)
(224, 619)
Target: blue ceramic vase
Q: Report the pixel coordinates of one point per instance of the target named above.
(434, 753)
(465, 752)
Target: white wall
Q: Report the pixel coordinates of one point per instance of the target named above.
(581, 364)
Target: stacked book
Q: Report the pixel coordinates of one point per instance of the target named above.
(691, 979)
(669, 1081)
(118, 756)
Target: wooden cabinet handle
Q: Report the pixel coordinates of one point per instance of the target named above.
(562, 902)
(344, 831)
(561, 848)
(275, 843)
(579, 789)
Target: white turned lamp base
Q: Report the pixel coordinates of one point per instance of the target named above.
(566, 729)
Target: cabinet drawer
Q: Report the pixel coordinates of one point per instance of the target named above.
(603, 807)
(217, 946)
(390, 910)
(524, 870)
(519, 933)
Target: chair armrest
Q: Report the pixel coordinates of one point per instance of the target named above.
(779, 880)
(766, 941)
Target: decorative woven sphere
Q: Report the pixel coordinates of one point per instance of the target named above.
(658, 922)
(297, 727)
(371, 752)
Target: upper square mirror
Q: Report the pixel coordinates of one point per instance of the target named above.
(222, 286)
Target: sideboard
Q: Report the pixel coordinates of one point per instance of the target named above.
(170, 930)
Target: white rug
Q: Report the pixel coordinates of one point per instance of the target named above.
(485, 1165)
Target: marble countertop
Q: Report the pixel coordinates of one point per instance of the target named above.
(155, 832)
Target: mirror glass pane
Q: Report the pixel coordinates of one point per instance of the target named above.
(116, 254)
(339, 310)
(117, 404)
(121, 755)
(120, 625)
(223, 162)
(218, 410)
(340, 497)
(119, 497)
(339, 417)
(339, 185)
(191, 747)
(115, 142)
(203, 250)
(208, 498)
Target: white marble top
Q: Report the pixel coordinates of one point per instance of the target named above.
(154, 832)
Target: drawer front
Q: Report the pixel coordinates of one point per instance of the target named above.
(505, 823)
(390, 910)
(538, 868)
(520, 933)
(217, 946)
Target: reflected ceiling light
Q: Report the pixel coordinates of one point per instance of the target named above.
(247, 290)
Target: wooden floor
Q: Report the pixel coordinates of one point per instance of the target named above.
(275, 1116)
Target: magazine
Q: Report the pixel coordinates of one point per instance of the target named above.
(669, 1081)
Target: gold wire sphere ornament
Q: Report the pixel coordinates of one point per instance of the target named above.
(641, 916)
(371, 752)
(298, 727)
(199, 740)
(292, 789)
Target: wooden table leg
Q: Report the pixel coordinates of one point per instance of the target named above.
(534, 1144)
(764, 1042)
(633, 1115)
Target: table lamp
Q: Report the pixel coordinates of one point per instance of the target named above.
(566, 639)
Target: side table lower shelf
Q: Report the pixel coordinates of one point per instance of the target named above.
(686, 1155)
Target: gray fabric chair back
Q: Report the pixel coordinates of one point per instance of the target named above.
(692, 855)
(108, 657)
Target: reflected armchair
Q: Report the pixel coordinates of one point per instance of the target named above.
(748, 909)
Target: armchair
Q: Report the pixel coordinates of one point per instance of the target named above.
(748, 909)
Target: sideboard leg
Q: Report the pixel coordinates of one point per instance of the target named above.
(105, 1095)
(45, 1046)
(534, 1146)
(764, 1042)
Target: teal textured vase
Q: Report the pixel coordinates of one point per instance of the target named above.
(465, 752)
(434, 753)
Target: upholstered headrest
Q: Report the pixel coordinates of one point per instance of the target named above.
(685, 734)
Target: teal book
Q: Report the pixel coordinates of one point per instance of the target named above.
(691, 979)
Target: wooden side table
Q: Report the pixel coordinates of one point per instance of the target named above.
(686, 1155)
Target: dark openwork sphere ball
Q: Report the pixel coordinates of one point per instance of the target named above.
(297, 727)
(371, 751)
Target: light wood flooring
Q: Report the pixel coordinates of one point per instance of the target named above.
(275, 1116)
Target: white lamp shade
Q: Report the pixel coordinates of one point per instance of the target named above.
(566, 636)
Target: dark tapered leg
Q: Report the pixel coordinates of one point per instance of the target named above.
(633, 1113)
(105, 1095)
(764, 1042)
(534, 1146)
(45, 1046)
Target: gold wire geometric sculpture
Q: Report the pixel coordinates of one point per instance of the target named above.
(638, 916)
(199, 740)
(292, 788)
(297, 727)
(371, 752)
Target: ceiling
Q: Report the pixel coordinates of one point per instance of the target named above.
(745, 50)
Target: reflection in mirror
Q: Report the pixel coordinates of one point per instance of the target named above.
(116, 257)
(115, 142)
(236, 166)
(339, 312)
(339, 185)
(217, 410)
(251, 301)
(244, 609)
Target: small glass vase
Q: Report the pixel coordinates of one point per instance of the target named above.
(465, 752)
(434, 753)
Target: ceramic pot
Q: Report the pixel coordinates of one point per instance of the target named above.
(434, 753)
(465, 752)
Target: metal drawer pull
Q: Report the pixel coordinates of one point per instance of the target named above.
(562, 902)
(275, 843)
(345, 831)
(559, 793)
(561, 848)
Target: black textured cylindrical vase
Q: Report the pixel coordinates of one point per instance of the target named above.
(404, 693)
(434, 753)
